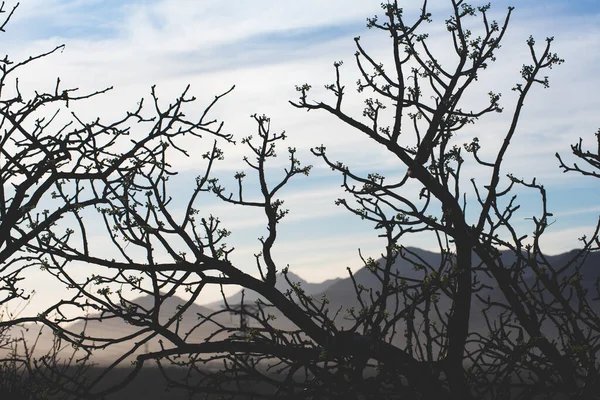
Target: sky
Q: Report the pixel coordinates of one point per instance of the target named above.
(265, 48)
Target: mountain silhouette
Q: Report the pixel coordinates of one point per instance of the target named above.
(282, 285)
(340, 293)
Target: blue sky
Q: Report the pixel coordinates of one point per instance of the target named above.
(267, 47)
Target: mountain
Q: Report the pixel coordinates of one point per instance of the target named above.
(343, 292)
(250, 296)
(340, 293)
(117, 330)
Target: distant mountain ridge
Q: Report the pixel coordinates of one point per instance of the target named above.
(282, 285)
(340, 293)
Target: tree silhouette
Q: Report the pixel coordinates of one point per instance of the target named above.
(491, 316)
(54, 168)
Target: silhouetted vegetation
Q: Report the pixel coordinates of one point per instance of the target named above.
(490, 315)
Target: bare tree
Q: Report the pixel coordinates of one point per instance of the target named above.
(529, 309)
(54, 168)
(491, 317)
(591, 159)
